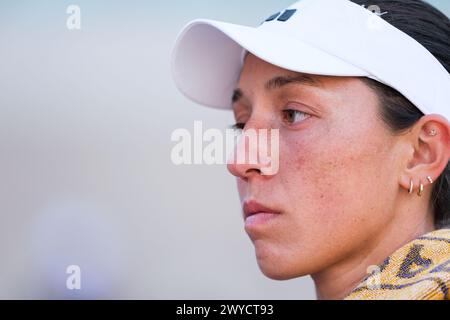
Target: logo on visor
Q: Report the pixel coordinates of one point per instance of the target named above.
(283, 17)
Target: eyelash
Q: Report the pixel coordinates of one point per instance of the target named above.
(241, 125)
(238, 126)
(306, 115)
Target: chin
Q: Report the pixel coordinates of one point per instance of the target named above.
(279, 267)
(280, 272)
(275, 274)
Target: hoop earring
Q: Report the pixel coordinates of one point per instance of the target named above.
(411, 186)
(420, 190)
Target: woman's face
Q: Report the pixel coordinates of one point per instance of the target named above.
(335, 188)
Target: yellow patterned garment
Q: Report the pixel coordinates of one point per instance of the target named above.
(419, 270)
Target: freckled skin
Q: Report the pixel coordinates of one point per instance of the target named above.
(337, 178)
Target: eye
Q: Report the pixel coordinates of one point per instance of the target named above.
(238, 126)
(291, 116)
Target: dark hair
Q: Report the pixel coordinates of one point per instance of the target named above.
(431, 28)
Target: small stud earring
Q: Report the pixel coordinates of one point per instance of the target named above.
(433, 132)
(430, 180)
(420, 190)
(411, 187)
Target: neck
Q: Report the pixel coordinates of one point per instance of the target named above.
(338, 280)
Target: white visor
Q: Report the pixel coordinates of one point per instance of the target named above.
(322, 37)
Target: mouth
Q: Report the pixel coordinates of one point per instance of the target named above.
(256, 213)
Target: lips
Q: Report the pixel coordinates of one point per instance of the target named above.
(252, 207)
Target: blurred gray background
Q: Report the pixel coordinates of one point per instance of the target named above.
(85, 171)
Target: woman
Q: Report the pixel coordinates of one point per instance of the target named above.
(360, 95)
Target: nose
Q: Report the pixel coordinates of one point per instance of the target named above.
(250, 156)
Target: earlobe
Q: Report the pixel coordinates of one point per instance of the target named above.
(420, 185)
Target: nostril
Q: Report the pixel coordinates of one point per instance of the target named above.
(252, 170)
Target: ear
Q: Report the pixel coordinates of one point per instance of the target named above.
(429, 140)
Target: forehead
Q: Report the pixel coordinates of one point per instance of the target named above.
(258, 71)
(254, 65)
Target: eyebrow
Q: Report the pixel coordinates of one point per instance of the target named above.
(278, 82)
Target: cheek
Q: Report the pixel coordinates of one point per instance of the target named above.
(333, 179)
